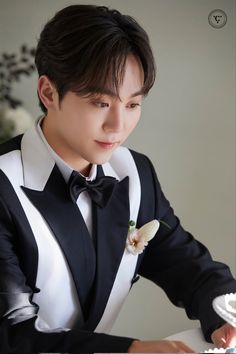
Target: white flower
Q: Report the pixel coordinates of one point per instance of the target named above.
(20, 119)
(138, 239)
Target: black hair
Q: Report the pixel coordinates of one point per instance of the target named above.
(83, 48)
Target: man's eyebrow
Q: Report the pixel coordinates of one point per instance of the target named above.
(111, 93)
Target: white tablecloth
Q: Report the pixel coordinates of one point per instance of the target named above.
(193, 338)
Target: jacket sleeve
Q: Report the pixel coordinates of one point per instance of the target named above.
(176, 261)
(20, 325)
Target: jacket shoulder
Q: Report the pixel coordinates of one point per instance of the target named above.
(11, 145)
(140, 159)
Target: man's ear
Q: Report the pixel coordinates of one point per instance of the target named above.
(47, 92)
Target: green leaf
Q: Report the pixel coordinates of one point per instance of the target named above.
(165, 224)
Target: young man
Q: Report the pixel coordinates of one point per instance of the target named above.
(67, 194)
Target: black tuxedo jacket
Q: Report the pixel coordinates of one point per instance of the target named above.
(45, 245)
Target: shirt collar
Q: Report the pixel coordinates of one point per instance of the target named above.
(64, 168)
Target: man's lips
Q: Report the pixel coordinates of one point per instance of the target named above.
(107, 144)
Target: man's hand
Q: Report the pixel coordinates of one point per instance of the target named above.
(159, 346)
(224, 336)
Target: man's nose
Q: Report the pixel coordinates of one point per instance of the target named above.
(114, 121)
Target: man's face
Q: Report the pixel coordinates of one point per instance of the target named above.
(84, 130)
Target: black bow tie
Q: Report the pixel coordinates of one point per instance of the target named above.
(100, 190)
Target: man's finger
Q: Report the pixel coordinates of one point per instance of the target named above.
(220, 342)
(231, 342)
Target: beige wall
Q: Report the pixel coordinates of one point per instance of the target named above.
(187, 127)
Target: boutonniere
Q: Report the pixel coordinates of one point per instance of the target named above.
(138, 239)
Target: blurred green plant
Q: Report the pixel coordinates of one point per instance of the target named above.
(12, 67)
(13, 118)
(6, 129)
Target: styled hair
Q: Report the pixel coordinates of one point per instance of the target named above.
(83, 49)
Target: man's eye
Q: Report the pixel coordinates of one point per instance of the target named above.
(134, 105)
(101, 104)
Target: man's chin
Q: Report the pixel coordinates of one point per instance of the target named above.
(102, 160)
